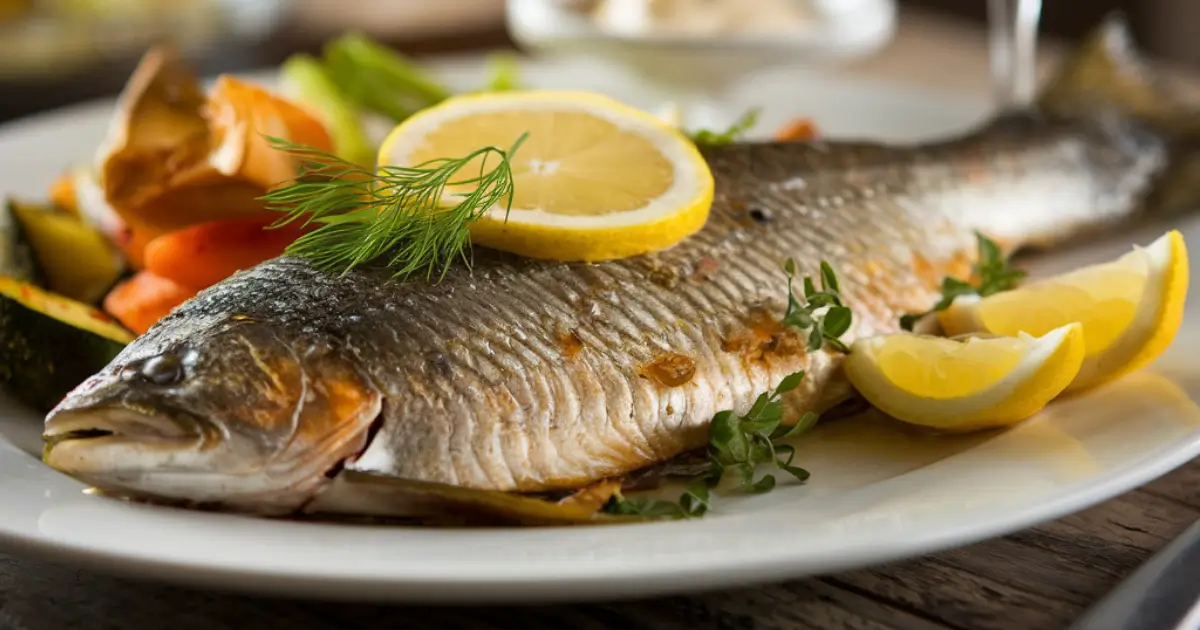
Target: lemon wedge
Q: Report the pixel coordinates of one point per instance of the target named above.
(964, 384)
(1130, 309)
(594, 179)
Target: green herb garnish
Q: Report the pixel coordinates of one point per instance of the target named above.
(741, 443)
(738, 444)
(739, 127)
(504, 73)
(692, 503)
(992, 270)
(395, 212)
(822, 315)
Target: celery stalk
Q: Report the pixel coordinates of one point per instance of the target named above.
(307, 80)
(504, 73)
(379, 79)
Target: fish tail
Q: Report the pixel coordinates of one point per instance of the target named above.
(1107, 72)
(1107, 76)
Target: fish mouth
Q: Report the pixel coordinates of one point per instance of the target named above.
(82, 437)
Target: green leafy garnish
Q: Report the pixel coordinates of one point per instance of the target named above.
(740, 126)
(504, 73)
(737, 444)
(380, 79)
(394, 212)
(741, 443)
(992, 270)
(821, 315)
(692, 503)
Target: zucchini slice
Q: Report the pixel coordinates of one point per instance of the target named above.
(75, 260)
(16, 257)
(50, 344)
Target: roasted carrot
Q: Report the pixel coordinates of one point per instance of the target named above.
(132, 242)
(144, 299)
(62, 193)
(202, 255)
(798, 130)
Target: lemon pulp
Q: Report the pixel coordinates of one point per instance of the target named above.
(941, 368)
(593, 179)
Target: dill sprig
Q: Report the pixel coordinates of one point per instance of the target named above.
(744, 123)
(396, 212)
(993, 275)
(822, 314)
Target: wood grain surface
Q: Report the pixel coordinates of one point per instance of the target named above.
(1040, 578)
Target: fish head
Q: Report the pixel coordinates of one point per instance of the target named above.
(234, 417)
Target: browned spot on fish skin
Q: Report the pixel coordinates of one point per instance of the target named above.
(762, 333)
(593, 497)
(706, 267)
(670, 369)
(570, 343)
(925, 271)
(664, 276)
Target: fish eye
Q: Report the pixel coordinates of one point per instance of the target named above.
(163, 369)
(760, 214)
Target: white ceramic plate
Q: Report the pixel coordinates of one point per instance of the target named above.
(878, 492)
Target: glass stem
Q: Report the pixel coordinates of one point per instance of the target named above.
(1012, 43)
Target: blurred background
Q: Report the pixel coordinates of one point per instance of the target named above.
(56, 52)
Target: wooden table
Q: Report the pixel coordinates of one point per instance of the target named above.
(1039, 578)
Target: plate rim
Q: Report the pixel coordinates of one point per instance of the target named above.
(646, 580)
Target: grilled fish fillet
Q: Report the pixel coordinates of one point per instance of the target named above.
(521, 376)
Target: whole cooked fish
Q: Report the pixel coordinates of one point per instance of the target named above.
(286, 389)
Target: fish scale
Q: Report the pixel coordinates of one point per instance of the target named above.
(520, 375)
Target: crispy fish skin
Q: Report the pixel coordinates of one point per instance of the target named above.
(524, 375)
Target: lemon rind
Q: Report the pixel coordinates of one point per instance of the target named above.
(690, 183)
(1158, 316)
(1046, 369)
(1156, 321)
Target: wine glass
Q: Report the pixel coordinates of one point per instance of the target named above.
(696, 72)
(1012, 42)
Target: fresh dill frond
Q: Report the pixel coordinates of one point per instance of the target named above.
(740, 126)
(396, 213)
(993, 275)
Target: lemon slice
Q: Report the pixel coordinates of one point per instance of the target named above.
(594, 180)
(1130, 309)
(964, 384)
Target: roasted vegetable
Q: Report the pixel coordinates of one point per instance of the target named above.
(380, 79)
(144, 299)
(16, 257)
(175, 156)
(307, 81)
(72, 258)
(205, 254)
(49, 344)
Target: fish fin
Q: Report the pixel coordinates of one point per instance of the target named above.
(355, 494)
(1107, 72)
